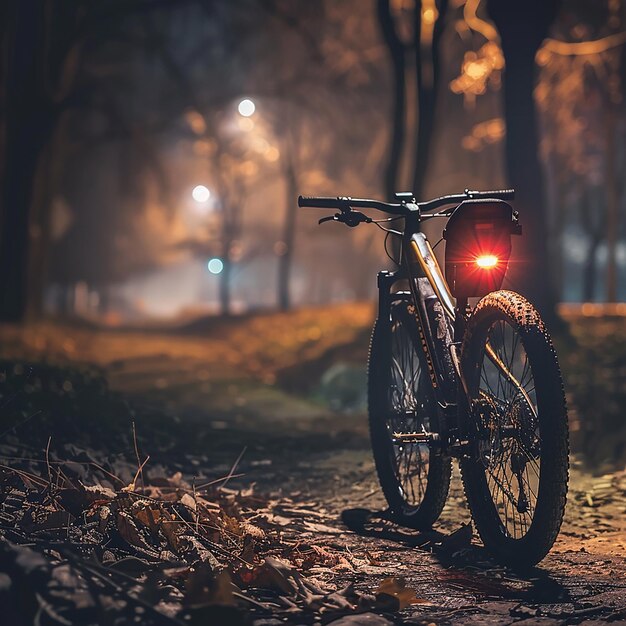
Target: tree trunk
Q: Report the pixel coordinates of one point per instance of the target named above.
(224, 291)
(522, 28)
(612, 206)
(589, 269)
(285, 260)
(427, 70)
(39, 233)
(397, 54)
(591, 218)
(28, 123)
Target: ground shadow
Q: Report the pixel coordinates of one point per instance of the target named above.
(466, 564)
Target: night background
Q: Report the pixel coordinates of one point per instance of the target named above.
(183, 351)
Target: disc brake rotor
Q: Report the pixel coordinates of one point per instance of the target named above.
(488, 415)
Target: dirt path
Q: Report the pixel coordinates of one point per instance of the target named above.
(317, 464)
(322, 463)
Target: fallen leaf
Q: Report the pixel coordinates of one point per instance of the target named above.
(395, 587)
(205, 587)
(172, 531)
(53, 520)
(189, 502)
(128, 530)
(150, 517)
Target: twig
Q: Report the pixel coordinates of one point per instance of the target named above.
(8, 430)
(48, 462)
(195, 501)
(258, 605)
(131, 487)
(22, 473)
(93, 463)
(139, 463)
(94, 570)
(204, 486)
(234, 467)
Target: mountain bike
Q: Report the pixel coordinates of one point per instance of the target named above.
(479, 383)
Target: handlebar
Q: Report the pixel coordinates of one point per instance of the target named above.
(345, 204)
(497, 194)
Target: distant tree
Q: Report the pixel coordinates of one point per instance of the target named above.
(32, 74)
(398, 53)
(522, 27)
(430, 17)
(130, 72)
(580, 95)
(44, 44)
(316, 90)
(412, 36)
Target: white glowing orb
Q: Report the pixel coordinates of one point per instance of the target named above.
(201, 193)
(215, 266)
(246, 107)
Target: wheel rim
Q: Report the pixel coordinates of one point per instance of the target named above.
(509, 438)
(407, 414)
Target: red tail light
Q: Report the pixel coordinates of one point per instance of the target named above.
(478, 246)
(487, 261)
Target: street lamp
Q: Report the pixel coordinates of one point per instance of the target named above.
(215, 265)
(246, 107)
(201, 194)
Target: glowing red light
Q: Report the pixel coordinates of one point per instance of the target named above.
(487, 261)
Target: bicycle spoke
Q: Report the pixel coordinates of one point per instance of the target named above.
(411, 461)
(510, 432)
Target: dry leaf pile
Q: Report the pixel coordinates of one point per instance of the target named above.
(168, 552)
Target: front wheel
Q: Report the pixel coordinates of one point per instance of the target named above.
(516, 476)
(413, 476)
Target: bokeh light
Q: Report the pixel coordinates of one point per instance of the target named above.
(246, 107)
(201, 193)
(215, 266)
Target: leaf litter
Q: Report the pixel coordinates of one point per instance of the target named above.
(164, 551)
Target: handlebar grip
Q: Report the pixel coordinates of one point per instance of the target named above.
(318, 202)
(502, 194)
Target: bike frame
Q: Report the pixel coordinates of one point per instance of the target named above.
(418, 261)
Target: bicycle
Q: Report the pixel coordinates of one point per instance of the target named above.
(447, 380)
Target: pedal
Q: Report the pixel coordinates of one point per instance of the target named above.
(427, 438)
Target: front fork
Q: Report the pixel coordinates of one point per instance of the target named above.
(450, 418)
(386, 280)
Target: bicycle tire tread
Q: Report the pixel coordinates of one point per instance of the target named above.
(553, 487)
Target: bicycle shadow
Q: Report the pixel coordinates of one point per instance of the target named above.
(465, 564)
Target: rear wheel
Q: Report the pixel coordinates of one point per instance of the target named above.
(414, 477)
(516, 479)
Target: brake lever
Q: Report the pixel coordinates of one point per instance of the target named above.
(329, 218)
(350, 218)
